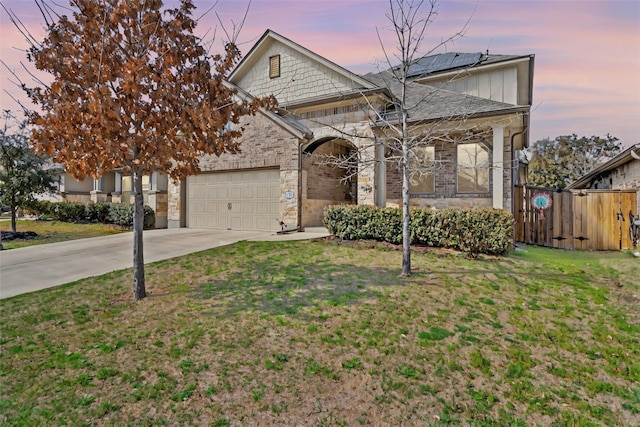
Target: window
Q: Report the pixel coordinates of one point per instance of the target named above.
(473, 168)
(127, 188)
(422, 166)
(274, 66)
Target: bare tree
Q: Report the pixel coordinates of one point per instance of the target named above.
(411, 117)
(133, 88)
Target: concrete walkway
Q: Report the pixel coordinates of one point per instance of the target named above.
(39, 267)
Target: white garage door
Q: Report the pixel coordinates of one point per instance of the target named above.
(240, 200)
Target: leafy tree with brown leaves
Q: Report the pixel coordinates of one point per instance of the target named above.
(133, 88)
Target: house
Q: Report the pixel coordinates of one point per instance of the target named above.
(620, 173)
(115, 187)
(474, 107)
(326, 112)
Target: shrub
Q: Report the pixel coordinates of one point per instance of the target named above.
(41, 208)
(122, 214)
(97, 212)
(474, 231)
(67, 211)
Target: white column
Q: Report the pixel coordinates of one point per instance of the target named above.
(118, 183)
(97, 184)
(498, 167)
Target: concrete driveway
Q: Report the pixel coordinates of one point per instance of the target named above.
(38, 267)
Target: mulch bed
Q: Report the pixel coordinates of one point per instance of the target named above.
(7, 236)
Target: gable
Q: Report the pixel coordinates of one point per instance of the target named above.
(508, 81)
(302, 73)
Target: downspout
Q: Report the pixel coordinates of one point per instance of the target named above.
(514, 173)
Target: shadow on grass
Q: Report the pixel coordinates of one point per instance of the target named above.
(303, 290)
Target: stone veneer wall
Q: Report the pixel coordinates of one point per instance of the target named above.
(263, 144)
(625, 177)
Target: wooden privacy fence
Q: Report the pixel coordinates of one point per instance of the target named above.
(595, 220)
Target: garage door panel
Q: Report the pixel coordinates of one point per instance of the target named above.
(242, 200)
(248, 193)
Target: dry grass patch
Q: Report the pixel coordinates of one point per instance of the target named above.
(56, 231)
(313, 333)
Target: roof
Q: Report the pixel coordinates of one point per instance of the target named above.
(427, 103)
(630, 154)
(450, 61)
(278, 116)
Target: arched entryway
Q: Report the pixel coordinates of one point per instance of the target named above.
(330, 177)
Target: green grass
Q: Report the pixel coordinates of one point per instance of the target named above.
(311, 333)
(56, 231)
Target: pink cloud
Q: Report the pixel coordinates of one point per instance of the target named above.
(587, 76)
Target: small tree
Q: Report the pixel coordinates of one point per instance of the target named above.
(133, 88)
(557, 163)
(395, 131)
(23, 173)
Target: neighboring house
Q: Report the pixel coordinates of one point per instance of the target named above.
(620, 173)
(115, 187)
(282, 177)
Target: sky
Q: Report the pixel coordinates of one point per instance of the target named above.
(587, 53)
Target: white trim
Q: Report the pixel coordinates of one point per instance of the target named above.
(498, 167)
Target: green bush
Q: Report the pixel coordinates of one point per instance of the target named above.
(122, 214)
(474, 231)
(97, 212)
(106, 213)
(67, 211)
(41, 208)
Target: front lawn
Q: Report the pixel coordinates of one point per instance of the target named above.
(314, 333)
(55, 231)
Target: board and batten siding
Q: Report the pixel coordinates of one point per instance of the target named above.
(498, 85)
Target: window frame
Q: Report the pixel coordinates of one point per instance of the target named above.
(483, 166)
(429, 169)
(274, 67)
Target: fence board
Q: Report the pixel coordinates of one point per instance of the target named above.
(585, 219)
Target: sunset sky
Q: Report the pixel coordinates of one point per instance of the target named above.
(587, 64)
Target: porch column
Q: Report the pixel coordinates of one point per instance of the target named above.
(498, 167)
(366, 175)
(116, 196)
(158, 199)
(97, 196)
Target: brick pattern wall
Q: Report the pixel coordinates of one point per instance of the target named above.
(446, 195)
(327, 180)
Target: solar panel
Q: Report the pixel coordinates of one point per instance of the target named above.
(443, 62)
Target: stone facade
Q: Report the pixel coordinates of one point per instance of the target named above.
(624, 177)
(263, 144)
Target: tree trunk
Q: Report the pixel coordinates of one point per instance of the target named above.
(139, 291)
(14, 212)
(406, 217)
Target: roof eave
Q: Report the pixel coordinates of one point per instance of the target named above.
(472, 69)
(617, 161)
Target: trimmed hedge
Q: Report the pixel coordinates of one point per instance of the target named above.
(474, 231)
(106, 213)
